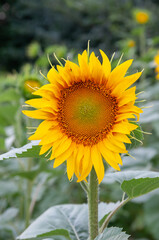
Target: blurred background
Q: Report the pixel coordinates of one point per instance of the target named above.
(30, 31)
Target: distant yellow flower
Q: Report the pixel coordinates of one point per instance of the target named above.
(157, 76)
(156, 59)
(85, 110)
(157, 69)
(31, 85)
(131, 43)
(142, 17)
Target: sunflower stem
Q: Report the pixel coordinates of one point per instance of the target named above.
(93, 205)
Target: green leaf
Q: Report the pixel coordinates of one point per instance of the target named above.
(137, 187)
(29, 150)
(135, 183)
(71, 218)
(113, 233)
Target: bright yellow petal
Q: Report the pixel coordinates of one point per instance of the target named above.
(125, 83)
(124, 116)
(112, 147)
(97, 163)
(121, 137)
(52, 136)
(42, 130)
(108, 157)
(54, 77)
(70, 166)
(105, 64)
(62, 147)
(48, 91)
(127, 96)
(75, 70)
(95, 68)
(38, 114)
(80, 154)
(83, 63)
(86, 164)
(37, 102)
(118, 73)
(45, 148)
(121, 127)
(64, 156)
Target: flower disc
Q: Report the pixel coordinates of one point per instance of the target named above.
(85, 111)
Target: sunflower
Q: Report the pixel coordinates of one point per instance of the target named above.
(85, 110)
(142, 17)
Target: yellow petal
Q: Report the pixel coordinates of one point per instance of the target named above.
(42, 130)
(62, 147)
(51, 137)
(48, 91)
(107, 155)
(117, 143)
(105, 64)
(120, 127)
(64, 156)
(97, 163)
(125, 83)
(121, 137)
(95, 68)
(80, 154)
(118, 73)
(83, 63)
(65, 74)
(45, 148)
(54, 77)
(38, 114)
(124, 116)
(75, 70)
(86, 164)
(111, 146)
(127, 96)
(70, 166)
(38, 102)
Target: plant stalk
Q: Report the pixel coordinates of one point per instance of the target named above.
(93, 205)
(107, 220)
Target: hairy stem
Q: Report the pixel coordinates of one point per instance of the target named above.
(93, 205)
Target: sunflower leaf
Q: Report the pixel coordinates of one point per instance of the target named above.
(113, 233)
(29, 150)
(137, 187)
(69, 220)
(135, 183)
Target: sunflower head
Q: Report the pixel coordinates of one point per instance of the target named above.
(142, 17)
(86, 110)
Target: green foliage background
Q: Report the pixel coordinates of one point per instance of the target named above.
(29, 31)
